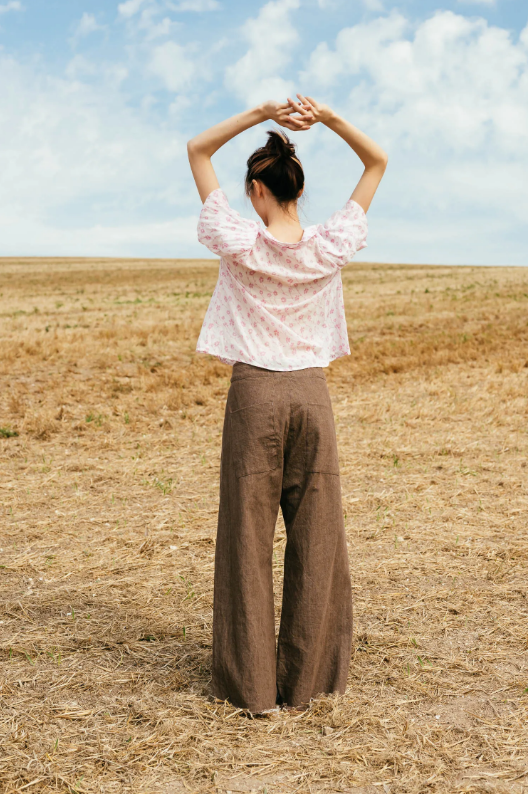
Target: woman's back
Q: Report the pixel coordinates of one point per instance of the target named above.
(278, 305)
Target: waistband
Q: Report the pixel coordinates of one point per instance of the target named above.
(242, 370)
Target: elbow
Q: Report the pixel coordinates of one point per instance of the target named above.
(378, 163)
(192, 148)
(384, 159)
(195, 150)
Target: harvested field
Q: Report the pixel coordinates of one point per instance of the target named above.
(109, 448)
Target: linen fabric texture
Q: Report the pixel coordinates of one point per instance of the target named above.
(277, 305)
(279, 450)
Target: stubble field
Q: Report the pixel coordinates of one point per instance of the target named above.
(109, 462)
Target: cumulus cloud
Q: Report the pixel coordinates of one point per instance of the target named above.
(161, 29)
(448, 99)
(86, 25)
(88, 171)
(13, 5)
(450, 79)
(172, 63)
(353, 50)
(130, 7)
(272, 38)
(77, 161)
(143, 19)
(374, 5)
(31, 237)
(478, 2)
(79, 66)
(195, 5)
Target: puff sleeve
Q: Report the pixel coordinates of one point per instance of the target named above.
(222, 229)
(344, 234)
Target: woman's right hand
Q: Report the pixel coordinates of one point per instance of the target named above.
(308, 105)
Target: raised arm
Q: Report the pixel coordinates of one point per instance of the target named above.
(202, 147)
(373, 157)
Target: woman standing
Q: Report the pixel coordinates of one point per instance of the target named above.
(277, 315)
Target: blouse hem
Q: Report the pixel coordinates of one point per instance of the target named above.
(231, 361)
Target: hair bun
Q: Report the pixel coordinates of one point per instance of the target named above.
(277, 167)
(279, 144)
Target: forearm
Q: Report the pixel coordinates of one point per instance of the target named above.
(209, 141)
(370, 154)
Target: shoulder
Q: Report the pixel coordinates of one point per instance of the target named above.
(350, 214)
(344, 233)
(222, 229)
(217, 204)
(216, 198)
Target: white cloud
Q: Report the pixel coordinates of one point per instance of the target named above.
(448, 99)
(77, 161)
(86, 25)
(88, 171)
(352, 50)
(29, 237)
(152, 29)
(161, 29)
(272, 38)
(172, 63)
(13, 5)
(111, 75)
(80, 66)
(130, 7)
(373, 5)
(143, 18)
(454, 81)
(478, 2)
(195, 5)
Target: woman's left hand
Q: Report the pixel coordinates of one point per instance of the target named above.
(282, 114)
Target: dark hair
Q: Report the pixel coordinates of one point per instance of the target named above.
(276, 165)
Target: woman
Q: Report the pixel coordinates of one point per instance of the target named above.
(277, 316)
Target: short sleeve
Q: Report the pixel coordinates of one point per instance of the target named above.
(222, 229)
(344, 234)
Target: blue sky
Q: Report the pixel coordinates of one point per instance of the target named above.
(97, 101)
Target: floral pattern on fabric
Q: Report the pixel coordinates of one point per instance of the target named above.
(222, 230)
(277, 305)
(344, 234)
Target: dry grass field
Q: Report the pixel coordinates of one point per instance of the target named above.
(109, 465)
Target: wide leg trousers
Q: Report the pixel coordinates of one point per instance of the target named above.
(279, 449)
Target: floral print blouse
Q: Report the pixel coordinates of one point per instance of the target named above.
(277, 305)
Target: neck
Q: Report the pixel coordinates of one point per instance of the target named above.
(284, 224)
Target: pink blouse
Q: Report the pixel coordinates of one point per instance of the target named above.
(277, 305)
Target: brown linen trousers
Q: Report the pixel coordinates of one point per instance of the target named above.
(279, 449)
